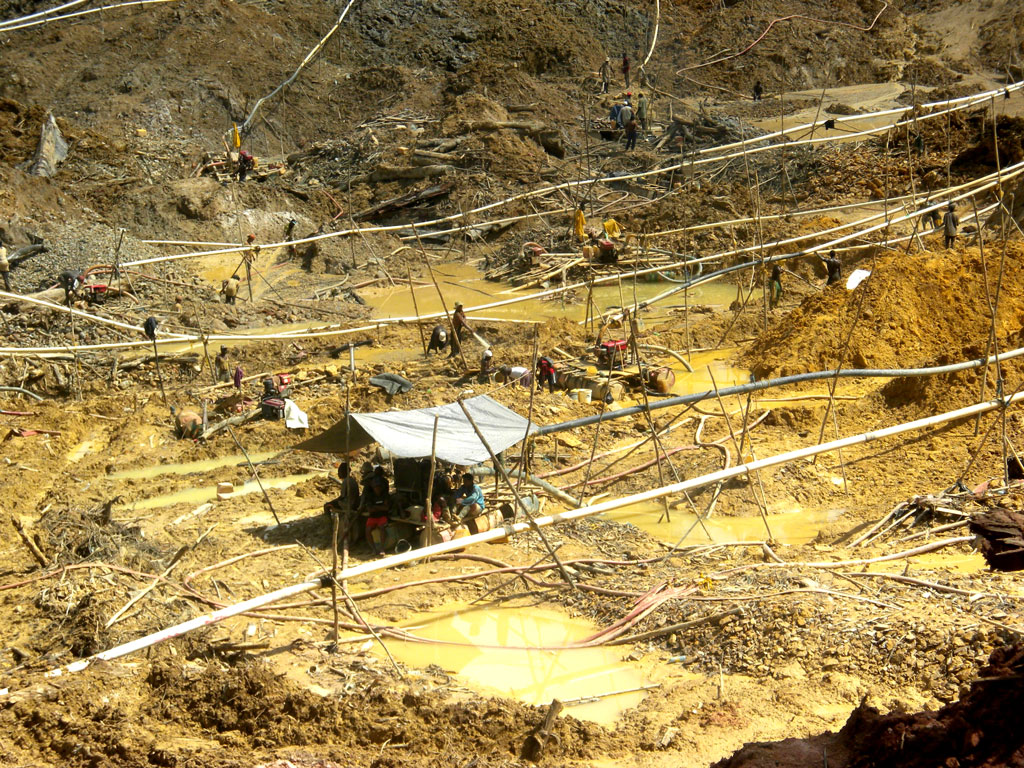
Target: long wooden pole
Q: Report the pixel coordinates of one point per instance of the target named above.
(444, 305)
(416, 309)
(519, 501)
(159, 374)
(524, 454)
(428, 505)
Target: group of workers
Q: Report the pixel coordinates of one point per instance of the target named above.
(624, 115)
(625, 68)
(370, 509)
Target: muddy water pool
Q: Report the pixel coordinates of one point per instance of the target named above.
(506, 650)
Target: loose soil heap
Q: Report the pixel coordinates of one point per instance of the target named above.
(904, 316)
(982, 729)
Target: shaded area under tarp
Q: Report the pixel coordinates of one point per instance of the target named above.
(408, 434)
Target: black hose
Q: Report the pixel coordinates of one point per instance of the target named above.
(756, 386)
(22, 391)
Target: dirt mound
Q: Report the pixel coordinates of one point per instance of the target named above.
(914, 310)
(202, 715)
(982, 729)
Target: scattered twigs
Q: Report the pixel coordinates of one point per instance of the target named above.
(599, 696)
(828, 565)
(146, 590)
(919, 583)
(27, 540)
(669, 629)
(750, 480)
(232, 560)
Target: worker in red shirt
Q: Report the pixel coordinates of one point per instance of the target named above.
(546, 373)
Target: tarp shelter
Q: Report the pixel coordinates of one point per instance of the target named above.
(408, 434)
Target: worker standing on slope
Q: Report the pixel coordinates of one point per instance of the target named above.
(625, 68)
(834, 267)
(776, 286)
(579, 224)
(625, 117)
(606, 74)
(220, 366)
(758, 91)
(5, 268)
(459, 326)
(950, 222)
(643, 107)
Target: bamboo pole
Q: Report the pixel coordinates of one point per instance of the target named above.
(739, 451)
(659, 450)
(159, 374)
(255, 474)
(416, 309)
(524, 462)
(334, 571)
(444, 305)
(519, 501)
(428, 505)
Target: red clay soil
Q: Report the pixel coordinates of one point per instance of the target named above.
(985, 728)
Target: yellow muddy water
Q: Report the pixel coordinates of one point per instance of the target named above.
(466, 284)
(792, 528)
(190, 467)
(209, 493)
(705, 365)
(494, 658)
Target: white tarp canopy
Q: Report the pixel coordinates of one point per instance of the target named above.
(408, 434)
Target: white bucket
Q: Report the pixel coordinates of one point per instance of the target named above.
(584, 395)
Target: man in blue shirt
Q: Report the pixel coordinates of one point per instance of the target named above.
(469, 498)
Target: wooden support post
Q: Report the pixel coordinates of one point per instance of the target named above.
(334, 572)
(538, 741)
(428, 505)
(444, 305)
(658, 449)
(416, 309)
(735, 442)
(519, 501)
(524, 468)
(156, 357)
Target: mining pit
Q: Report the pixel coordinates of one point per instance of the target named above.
(742, 402)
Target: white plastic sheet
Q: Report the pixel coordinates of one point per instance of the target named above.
(408, 434)
(857, 277)
(294, 417)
